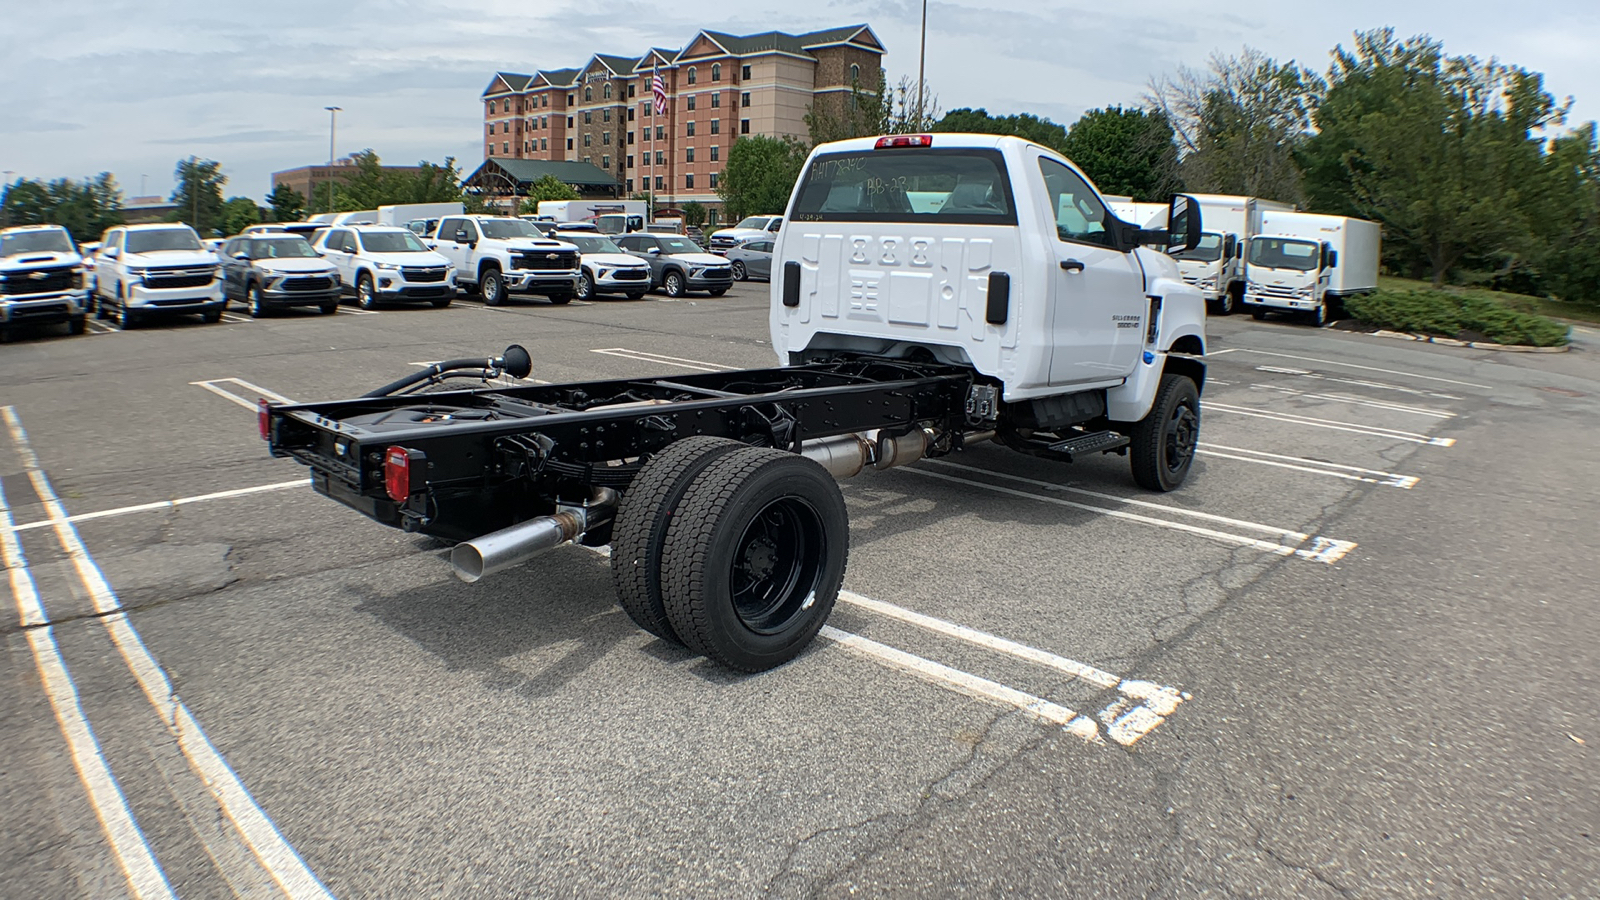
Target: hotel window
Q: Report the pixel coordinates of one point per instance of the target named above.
(744, 99)
(689, 128)
(744, 126)
(716, 101)
(605, 115)
(630, 138)
(630, 92)
(716, 152)
(505, 147)
(713, 182)
(855, 74)
(690, 101)
(744, 73)
(716, 126)
(588, 95)
(688, 180)
(586, 141)
(661, 157)
(661, 132)
(588, 118)
(716, 71)
(691, 75)
(605, 162)
(688, 155)
(630, 160)
(630, 114)
(607, 90)
(605, 138)
(659, 182)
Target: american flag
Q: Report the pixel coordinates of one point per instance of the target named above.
(659, 88)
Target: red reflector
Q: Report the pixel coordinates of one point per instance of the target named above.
(905, 140)
(397, 473)
(263, 408)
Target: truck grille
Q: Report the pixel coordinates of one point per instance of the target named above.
(1279, 291)
(162, 279)
(308, 283)
(52, 280)
(545, 261)
(717, 273)
(722, 243)
(422, 276)
(42, 311)
(630, 274)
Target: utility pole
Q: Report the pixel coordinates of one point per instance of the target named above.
(922, 63)
(333, 124)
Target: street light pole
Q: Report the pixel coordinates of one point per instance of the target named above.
(333, 125)
(922, 63)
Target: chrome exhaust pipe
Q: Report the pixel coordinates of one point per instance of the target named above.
(512, 546)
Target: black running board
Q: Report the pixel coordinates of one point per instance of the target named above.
(1093, 442)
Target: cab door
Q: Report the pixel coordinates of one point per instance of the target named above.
(1098, 302)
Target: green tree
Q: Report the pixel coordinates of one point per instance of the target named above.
(85, 208)
(1023, 125)
(239, 213)
(198, 195)
(694, 213)
(1442, 150)
(1566, 228)
(368, 186)
(1126, 151)
(759, 175)
(871, 108)
(287, 204)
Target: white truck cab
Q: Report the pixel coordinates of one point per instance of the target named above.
(1308, 263)
(1216, 264)
(41, 279)
(501, 255)
(996, 254)
(144, 270)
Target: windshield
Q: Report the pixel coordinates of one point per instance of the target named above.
(1208, 250)
(1283, 253)
(590, 243)
(393, 242)
(35, 242)
(162, 239)
(281, 248)
(679, 245)
(958, 187)
(501, 229)
(752, 222)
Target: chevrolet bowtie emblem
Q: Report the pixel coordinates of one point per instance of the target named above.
(39, 276)
(549, 256)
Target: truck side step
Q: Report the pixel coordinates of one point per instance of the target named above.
(1093, 442)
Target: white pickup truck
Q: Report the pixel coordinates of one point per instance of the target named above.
(41, 279)
(497, 256)
(156, 269)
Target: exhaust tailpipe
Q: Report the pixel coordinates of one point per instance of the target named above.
(512, 546)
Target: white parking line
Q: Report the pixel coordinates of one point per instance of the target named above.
(163, 504)
(97, 327)
(236, 319)
(1312, 466)
(1334, 362)
(1369, 430)
(212, 386)
(641, 356)
(1359, 401)
(127, 843)
(347, 311)
(271, 850)
(1323, 550)
(1357, 382)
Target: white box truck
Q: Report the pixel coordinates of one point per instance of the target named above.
(1216, 266)
(610, 216)
(1310, 263)
(421, 218)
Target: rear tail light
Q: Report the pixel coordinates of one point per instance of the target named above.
(397, 462)
(263, 419)
(905, 140)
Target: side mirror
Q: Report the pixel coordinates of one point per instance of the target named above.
(241, 255)
(654, 251)
(1333, 259)
(111, 253)
(1183, 223)
(461, 236)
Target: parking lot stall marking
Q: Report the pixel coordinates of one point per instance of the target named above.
(163, 504)
(1311, 466)
(251, 823)
(97, 327)
(1359, 401)
(1334, 362)
(1142, 706)
(212, 385)
(127, 843)
(236, 319)
(641, 356)
(1290, 418)
(1321, 549)
(1357, 382)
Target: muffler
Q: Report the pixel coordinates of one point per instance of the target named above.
(845, 455)
(512, 546)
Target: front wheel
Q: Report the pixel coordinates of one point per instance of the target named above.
(673, 282)
(1320, 316)
(441, 302)
(1226, 304)
(329, 308)
(211, 316)
(493, 286)
(755, 557)
(258, 303)
(585, 287)
(636, 295)
(717, 292)
(1164, 441)
(559, 299)
(739, 272)
(1257, 313)
(126, 318)
(366, 294)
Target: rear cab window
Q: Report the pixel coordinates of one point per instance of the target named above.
(957, 186)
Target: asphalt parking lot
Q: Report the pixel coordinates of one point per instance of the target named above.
(1354, 655)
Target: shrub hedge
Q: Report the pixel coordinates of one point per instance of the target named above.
(1465, 316)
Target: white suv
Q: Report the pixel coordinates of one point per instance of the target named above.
(500, 255)
(41, 279)
(381, 263)
(142, 270)
(607, 269)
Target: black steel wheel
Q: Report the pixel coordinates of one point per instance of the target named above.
(640, 529)
(739, 272)
(755, 557)
(1164, 441)
(1227, 303)
(1322, 315)
(674, 283)
(493, 286)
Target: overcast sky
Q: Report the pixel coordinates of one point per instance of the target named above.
(129, 87)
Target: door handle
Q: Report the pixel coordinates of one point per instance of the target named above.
(1071, 265)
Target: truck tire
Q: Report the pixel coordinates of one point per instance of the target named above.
(673, 283)
(559, 299)
(1164, 441)
(1322, 314)
(493, 286)
(77, 324)
(640, 529)
(755, 557)
(1257, 313)
(126, 318)
(1228, 302)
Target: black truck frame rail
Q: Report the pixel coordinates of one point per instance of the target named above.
(461, 464)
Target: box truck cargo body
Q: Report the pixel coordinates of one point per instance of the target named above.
(1216, 266)
(1310, 263)
(419, 217)
(610, 216)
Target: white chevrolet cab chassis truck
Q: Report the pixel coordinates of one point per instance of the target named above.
(931, 291)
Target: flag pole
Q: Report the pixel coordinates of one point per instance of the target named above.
(650, 189)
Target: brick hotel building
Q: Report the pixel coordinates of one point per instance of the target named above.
(718, 87)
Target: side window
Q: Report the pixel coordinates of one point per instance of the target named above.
(447, 229)
(627, 243)
(231, 247)
(1080, 216)
(471, 228)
